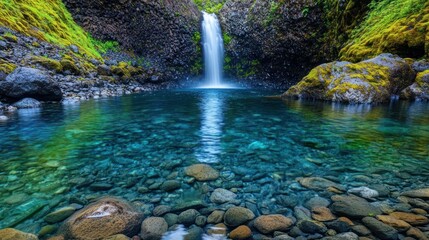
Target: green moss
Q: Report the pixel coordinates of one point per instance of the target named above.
(48, 20)
(125, 71)
(7, 67)
(48, 63)
(227, 38)
(69, 65)
(209, 6)
(10, 37)
(420, 77)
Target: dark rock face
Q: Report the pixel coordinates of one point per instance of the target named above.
(162, 32)
(29, 83)
(274, 40)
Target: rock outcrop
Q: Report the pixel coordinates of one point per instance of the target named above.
(164, 33)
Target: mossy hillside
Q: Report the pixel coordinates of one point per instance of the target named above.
(395, 26)
(48, 20)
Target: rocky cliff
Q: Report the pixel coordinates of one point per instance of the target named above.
(162, 33)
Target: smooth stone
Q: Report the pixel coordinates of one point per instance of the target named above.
(218, 229)
(45, 230)
(302, 213)
(153, 228)
(361, 230)
(318, 183)
(100, 186)
(202, 172)
(106, 217)
(184, 205)
(343, 236)
(201, 221)
(240, 233)
(354, 207)
(317, 202)
(312, 227)
(22, 212)
(322, 214)
(59, 215)
(339, 226)
(379, 229)
(16, 198)
(417, 193)
(161, 210)
(269, 223)
(220, 196)
(13, 234)
(117, 237)
(364, 192)
(236, 216)
(215, 217)
(410, 218)
(171, 219)
(188, 217)
(170, 185)
(417, 234)
(194, 233)
(394, 222)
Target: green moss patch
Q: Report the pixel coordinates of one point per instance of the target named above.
(7, 67)
(48, 63)
(209, 6)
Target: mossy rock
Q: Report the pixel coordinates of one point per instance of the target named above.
(125, 71)
(48, 63)
(419, 90)
(10, 37)
(69, 65)
(6, 67)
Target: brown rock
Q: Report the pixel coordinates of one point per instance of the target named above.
(59, 237)
(394, 222)
(419, 211)
(417, 234)
(117, 237)
(410, 218)
(346, 220)
(322, 214)
(202, 172)
(13, 234)
(215, 217)
(153, 228)
(106, 217)
(236, 216)
(218, 229)
(318, 183)
(242, 232)
(270, 223)
(417, 193)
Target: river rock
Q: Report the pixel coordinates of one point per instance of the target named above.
(27, 103)
(380, 229)
(417, 234)
(218, 229)
(364, 192)
(194, 233)
(188, 217)
(221, 195)
(410, 218)
(22, 212)
(317, 202)
(240, 233)
(354, 207)
(322, 214)
(236, 216)
(343, 236)
(312, 227)
(117, 237)
(394, 222)
(161, 210)
(417, 193)
(318, 183)
(13, 234)
(59, 215)
(153, 228)
(27, 82)
(269, 223)
(170, 185)
(106, 217)
(171, 219)
(202, 172)
(215, 217)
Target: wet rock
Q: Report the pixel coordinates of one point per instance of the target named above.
(312, 227)
(417, 193)
(23, 212)
(118, 237)
(302, 213)
(221, 196)
(100, 186)
(201, 221)
(410, 218)
(318, 183)
(170, 185)
(364, 192)
(240, 233)
(161, 210)
(104, 70)
(13, 234)
(236, 216)
(343, 236)
(339, 226)
(215, 217)
(194, 233)
(269, 223)
(171, 219)
(361, 230)
(48, 229)
(59, 215)
(394, 222)
(202, 172)
(188, 217)
(188, 204)
(417, 234)
(380, 229)
(29, 83)
(317, 202)
(322, 214)
(27, 103)
(354, 207)
(153, 228)
(106, 217)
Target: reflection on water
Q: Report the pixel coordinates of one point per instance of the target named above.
(211, 127)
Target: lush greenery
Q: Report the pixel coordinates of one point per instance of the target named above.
(397, 26)
(210, 6)
(49, 20)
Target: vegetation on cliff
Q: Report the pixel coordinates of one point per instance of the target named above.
(209, 6)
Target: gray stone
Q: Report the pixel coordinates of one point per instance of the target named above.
(3, 45)
(161, 210)
(194, 233)
(32, 83)
(171, 219)
(201, 221)
(317, 202)
(235, 216)
(170, 185)
(379, 229)
(221, 196)
(318, 183)
(27, 103)
(104, 70)
(361, 230)
(364, 192)
(59, 215)
(100, 186)
(215, 217)
(188, 217)
(153, 228)
(417, 193)
(354, 207)
(74, 48)
(312, 227)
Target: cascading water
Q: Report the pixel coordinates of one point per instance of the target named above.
(213, 51)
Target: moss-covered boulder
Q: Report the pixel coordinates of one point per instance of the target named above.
(48, 63)
(370, 81)
(419, 90)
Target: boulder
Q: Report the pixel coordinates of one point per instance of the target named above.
(170, 185)
(27, 103)
(153, 228)
(379, 229)
(236, 216)
(343, 236)
(29, 83)
(13, 234)
(267, 224)
(221, 195)
(417, 193)
(202, 172)
(354, 207)
(106, 217)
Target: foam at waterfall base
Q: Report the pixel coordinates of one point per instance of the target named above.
(180, 233)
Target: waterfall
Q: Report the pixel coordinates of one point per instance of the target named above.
(213, 51)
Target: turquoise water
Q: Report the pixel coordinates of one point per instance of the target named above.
(73, 153)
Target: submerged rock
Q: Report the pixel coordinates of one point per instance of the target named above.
(59, 215)
(27, 103)
(380, 229)
(417, 193)
(153, 228)
(13, 234)
(236, 216)
(221, 195)
(240, 233)
(354, 207)
(318, 183)
(202, 172)
(106, 217)
(22, 212)
(364, 192)
(269, 223)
